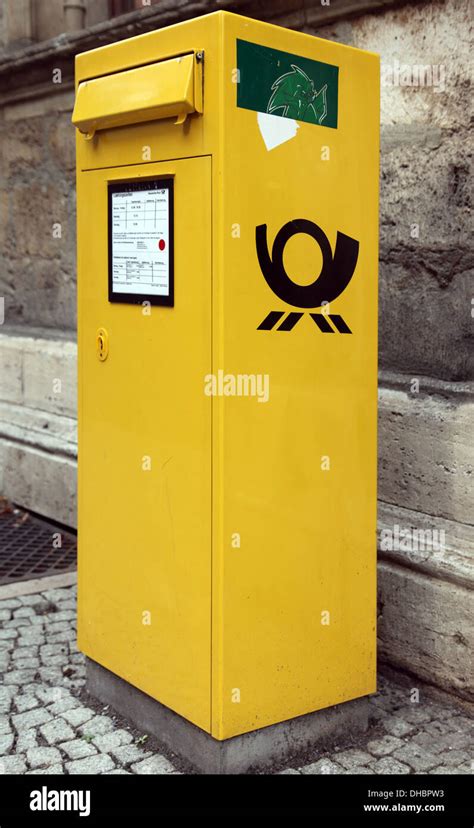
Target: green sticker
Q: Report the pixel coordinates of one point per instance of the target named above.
(286, 85)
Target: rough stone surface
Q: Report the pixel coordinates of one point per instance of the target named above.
(152, 765)
(425, 255)
(92, 764)
(324, 766)
(425, 627)
(56, 731)
(436, 482)
(40, 757)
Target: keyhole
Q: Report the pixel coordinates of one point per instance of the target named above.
(102, 344)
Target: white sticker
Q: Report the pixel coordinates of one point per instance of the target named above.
(276, 130)
(140, 242)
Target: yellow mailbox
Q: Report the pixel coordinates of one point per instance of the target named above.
(227, 190)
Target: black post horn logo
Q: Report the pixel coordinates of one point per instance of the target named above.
(335, 275)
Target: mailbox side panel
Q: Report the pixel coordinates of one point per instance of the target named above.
(295, 451)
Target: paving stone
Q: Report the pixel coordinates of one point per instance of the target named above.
(454, 758)
(153, 764)
(51, 674)
(352, 758)
(6, 695)
(65, 615)
(8, 634)
(68, 605)
(60, 626)
(27, 739)
(5, 743)
(462, 723)
(56, 731)
(287, 772)
(55, 595)
(388, 765)
(68, 703)
(23, 612)
(4, 661)
(32, 635)
(78, 749)
(55, 661)
(75, 684)
(41, 757)
(32, 718)
(5, 614)
(19, 676)
(27, 663)
(9, 603)
(114, 739)
(25, 702)
(97, 726)
(29, 689)
(5, 726)
(92, 764)
(48, 695)
(77, 658)
(12, 765)
(415, 713)
(53, 649)
(384, 746)
(25, 652)
(78, 716)
(51, 769)
(415, 756)
(117, 771)
(129, 753)
(324, 766)
(78, 670)
(16, 623)
(455, 741)
(33, 600)
(396, 726)
(428, 742)
(67, 635)
(446, 769)
(436, 728)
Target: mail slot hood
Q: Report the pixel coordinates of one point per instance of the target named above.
(167, 89)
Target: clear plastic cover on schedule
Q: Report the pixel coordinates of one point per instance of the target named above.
(140, 241)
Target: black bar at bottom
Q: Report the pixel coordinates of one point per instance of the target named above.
(419, 800)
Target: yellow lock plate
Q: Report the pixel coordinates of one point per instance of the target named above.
(102, 344)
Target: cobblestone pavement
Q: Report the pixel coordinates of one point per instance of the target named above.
(49, 725)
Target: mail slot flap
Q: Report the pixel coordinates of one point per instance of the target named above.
(170, 88)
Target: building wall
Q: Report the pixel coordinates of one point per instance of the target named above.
(426, 311)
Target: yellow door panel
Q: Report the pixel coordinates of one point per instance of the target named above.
(144, 454)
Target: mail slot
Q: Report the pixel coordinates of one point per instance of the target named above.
(227, 189)
(161, 90)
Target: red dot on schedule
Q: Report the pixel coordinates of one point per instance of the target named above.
(162, 244)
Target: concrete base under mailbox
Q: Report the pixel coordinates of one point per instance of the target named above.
(257, 750)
